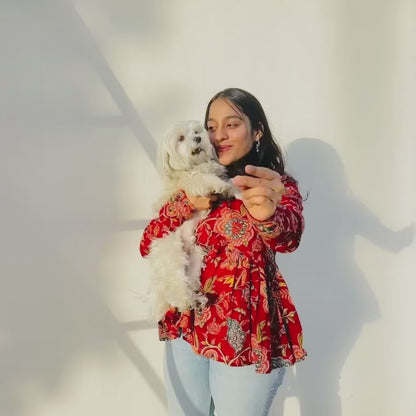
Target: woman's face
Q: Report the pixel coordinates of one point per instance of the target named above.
(229, 131)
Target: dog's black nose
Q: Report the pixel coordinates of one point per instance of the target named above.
(197, 139)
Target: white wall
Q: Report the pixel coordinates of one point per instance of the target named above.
(88, 87)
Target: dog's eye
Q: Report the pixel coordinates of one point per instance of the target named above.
(196, 131)
(181, 138)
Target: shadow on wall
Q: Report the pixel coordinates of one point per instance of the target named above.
(58, 168)
(331, 293)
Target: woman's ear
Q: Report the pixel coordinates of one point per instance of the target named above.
(259, 132)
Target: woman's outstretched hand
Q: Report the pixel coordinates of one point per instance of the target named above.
(261, 192)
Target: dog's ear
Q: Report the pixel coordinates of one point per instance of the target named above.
(213, 153)
(163, 162)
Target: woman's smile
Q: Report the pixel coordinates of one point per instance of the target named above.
(223, 148)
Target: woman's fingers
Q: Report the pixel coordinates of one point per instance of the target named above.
(277, 186)
(260, 177)
(246, 182)
(266, 184)
(261, 192)
(260, 172)
(259, 200)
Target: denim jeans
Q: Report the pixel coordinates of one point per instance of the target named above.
(195, 385)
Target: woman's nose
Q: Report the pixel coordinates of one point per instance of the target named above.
(219, 134)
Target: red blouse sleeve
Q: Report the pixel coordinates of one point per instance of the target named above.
(283, 231)
(173, 214)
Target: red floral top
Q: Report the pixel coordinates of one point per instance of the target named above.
(250, 317)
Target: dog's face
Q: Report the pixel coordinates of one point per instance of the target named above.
(186, 144)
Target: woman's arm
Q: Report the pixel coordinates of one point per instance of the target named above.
(172, 215)
(283, 231)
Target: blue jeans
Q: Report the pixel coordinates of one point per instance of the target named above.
(195, 384)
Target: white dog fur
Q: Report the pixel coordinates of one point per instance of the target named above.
(186, 161)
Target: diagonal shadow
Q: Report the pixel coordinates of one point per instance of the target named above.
(137, 325)
(133, 225)
(129, 116)
(135, 355)
(113, 85)
(144, 137)
(49, 314)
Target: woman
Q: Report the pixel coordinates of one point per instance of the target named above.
(233, 351)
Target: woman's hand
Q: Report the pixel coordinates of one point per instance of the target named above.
(261, 192)
(202, 203)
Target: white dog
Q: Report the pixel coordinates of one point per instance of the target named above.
(186, 161)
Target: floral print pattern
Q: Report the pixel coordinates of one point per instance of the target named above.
(235, 335)
(250, 317)
(234, 228)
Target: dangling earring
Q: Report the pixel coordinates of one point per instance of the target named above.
(258, 146)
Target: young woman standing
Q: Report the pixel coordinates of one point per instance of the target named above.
(231, 354)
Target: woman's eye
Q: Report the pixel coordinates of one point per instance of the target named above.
(211, 128)
(232, 125)
(181, 138)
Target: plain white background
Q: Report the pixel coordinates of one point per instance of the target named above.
(89, 87)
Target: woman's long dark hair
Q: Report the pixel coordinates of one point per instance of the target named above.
(269, 154)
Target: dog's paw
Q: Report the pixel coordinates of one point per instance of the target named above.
(220, 187)
(200, 301)
(233, 192)
(156, 311)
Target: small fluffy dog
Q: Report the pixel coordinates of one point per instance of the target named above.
(187, 161)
